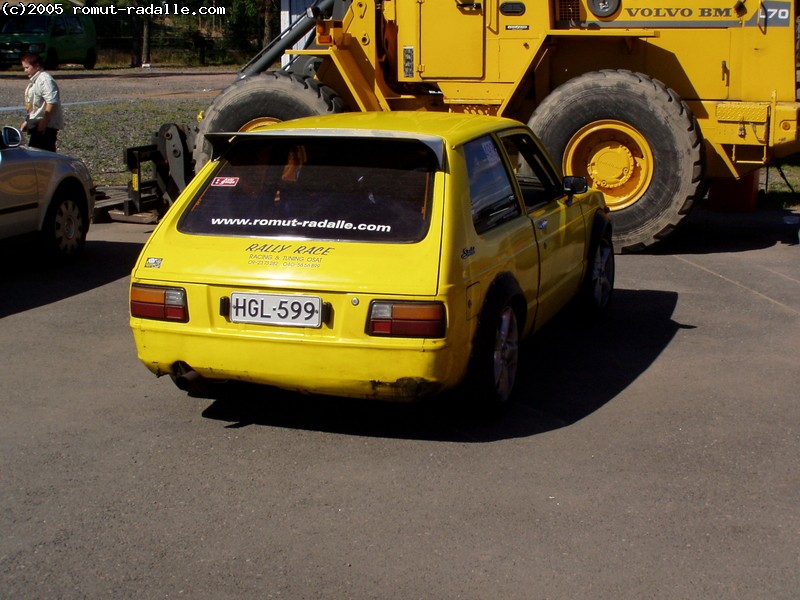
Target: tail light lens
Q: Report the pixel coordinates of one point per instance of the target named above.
(407, 319)
(157, 302)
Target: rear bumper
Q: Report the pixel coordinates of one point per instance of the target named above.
(389, 369)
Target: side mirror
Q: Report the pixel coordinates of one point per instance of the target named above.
(574, 184)
(12, 137)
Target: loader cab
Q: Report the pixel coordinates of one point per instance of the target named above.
(481, 41)
(459, 53)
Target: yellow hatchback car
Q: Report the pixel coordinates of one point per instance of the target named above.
(370, 255)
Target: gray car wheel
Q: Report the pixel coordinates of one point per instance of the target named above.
(65, 228)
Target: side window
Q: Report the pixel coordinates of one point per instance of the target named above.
(536, 179)
(59, 28)
(491, 193)
(74, 26)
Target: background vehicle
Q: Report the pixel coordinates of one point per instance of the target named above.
(382, 256)
(654, 103)
(57, 39)
(45, 193)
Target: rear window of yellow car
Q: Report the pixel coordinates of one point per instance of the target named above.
(325, 188)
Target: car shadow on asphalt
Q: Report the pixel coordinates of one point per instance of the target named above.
(28, 280)
(568, 371)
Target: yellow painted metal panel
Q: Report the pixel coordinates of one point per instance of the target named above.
(452, 40)
(742, 112)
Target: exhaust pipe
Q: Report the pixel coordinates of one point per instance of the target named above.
(187, 379)
(190, 381)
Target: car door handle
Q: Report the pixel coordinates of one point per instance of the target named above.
(541, 224)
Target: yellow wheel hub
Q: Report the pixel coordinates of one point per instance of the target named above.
(614, 157)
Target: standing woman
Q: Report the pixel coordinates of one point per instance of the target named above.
(43, 105)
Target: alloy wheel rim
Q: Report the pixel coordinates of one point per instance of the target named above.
(68, 227)
(506, 353)
(602, 274)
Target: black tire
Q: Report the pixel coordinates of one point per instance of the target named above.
(65, 226)
(653, 140)
(495, 350)
(91, 59)
(51, 60)
(274, 95)
(598, 283)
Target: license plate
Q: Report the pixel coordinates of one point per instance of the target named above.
(276, 309)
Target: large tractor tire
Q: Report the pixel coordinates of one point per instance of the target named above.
(270, 97)
(632, 138)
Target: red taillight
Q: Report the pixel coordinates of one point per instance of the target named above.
(156, 302)
(407, 319)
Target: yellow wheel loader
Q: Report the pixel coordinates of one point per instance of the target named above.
(652, 100)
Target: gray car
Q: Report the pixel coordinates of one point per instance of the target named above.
(46, 194)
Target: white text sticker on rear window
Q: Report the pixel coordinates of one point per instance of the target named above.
(224, 181)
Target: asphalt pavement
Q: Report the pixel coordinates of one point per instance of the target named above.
(651, 455)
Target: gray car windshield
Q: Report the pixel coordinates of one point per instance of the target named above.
(325, 188)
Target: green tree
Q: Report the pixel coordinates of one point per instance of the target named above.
(243, 23)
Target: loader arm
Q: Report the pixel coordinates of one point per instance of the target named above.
(272, 52)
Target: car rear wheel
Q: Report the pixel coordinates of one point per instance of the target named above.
(91, 59)
(495, 357)
(65, 227)
(505, 357)
(51, 60)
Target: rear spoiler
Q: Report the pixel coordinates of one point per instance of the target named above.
(221, 141)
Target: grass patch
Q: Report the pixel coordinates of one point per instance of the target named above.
(781, 186)
(98, 134)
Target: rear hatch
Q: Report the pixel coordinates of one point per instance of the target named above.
(309, 213)
(294, 264)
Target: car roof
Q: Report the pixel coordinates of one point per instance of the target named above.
(454, 128)
(434, 129)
